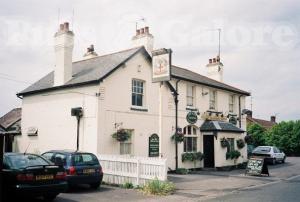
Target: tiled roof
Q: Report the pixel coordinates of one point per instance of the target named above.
(264, 123)
(10, 118)
(220, 126)
(95, 69)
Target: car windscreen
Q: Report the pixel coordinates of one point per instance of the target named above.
(24, 161)
(81, 159)
(262, 149)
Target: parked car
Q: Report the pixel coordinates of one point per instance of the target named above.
(81, 167)
(32, 175)
(270, 153)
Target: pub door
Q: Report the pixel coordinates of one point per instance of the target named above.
(209, 151)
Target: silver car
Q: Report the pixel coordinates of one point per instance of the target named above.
(270, 153)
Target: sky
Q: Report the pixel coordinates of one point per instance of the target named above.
(260, 42)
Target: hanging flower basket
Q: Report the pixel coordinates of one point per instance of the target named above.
(248, 139)
(179, 137)
(224, 142)
(122, 135)
(240, 143)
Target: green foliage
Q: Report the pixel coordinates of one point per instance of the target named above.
(286, 136)
(179, 137)
(156, 187)
(233, 154)
(191, 156)
(128, 185)
(224, 142)
(240, 143)
(122, 135)
(258, 134)
(182, 171)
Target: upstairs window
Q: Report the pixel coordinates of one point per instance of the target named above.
(190, 94)
(231, 103)
(137, 93)
(212, 99)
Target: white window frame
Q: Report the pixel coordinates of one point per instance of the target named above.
(126, 147)
(231, 105)
(134, 90)
(194, 138)
(190, 95)
(213, 99)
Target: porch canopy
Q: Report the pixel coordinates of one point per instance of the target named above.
(219, 126)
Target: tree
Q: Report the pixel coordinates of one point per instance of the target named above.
(258, 134)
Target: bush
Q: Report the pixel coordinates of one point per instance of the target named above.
(127, 185)
(233, 154)
(156, 187)
(182, 171)
(240, 143)
(258, 135)
(191, 156)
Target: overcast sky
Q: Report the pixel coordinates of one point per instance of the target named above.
(260, 42)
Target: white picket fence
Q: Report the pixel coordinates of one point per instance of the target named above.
(119, 169)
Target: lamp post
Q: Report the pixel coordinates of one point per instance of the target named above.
(78, 112)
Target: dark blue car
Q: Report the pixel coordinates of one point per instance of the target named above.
(81, 167)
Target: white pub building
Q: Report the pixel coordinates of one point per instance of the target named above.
(123, 103)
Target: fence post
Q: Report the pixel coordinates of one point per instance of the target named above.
(138, 172)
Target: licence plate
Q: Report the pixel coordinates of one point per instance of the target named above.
(88, 171)
(44, 177)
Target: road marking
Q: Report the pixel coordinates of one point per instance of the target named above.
(293, 177)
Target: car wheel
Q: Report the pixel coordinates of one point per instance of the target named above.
(95, 185)
(273, 161)
(283, 160)
(50, 197)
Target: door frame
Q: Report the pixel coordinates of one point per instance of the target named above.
(214, 156)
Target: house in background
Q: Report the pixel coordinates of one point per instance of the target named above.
(10, 125)
(267, 124)
(115, 92)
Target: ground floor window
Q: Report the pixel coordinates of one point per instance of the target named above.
(190, 139)
(230, 146)
(125, 147)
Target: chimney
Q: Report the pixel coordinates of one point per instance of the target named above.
(90, 52)
(215, 69)
(143, 38)
(63, 45)
(273, 119)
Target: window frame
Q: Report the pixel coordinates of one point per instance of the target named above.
(231, 104)
(193, 135)
(213, 102)
(191, 97)
(231, 144)
(135, 92)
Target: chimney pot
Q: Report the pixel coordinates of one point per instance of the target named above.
(142, 30)
(147, 30)
(66, 26)
(210, 61)
(218, 58)
(61, 27)
(214, 60)
(138, 32)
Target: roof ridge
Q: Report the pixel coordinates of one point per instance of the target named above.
(99, 56)
(209, 78)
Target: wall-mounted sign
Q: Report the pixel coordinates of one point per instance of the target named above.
(154, 145)
(191, 117)
(32, 131)
(161, 65)
(257, 166)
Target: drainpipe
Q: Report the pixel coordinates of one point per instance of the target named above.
(240, 115)
(176, 124)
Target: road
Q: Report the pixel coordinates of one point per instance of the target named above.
(284, 190)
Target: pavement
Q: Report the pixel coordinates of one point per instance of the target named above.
(201, 186)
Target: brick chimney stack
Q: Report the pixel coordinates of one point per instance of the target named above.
(63, 45)
(215, 69)
(143, 38)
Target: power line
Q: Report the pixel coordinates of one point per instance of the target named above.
(15, 80)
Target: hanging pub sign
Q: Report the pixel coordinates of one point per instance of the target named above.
(161, 65)
(257, 166)
(232, 120)
(154, 145)
(191, 117)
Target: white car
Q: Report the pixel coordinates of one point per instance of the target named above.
(270, 153)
